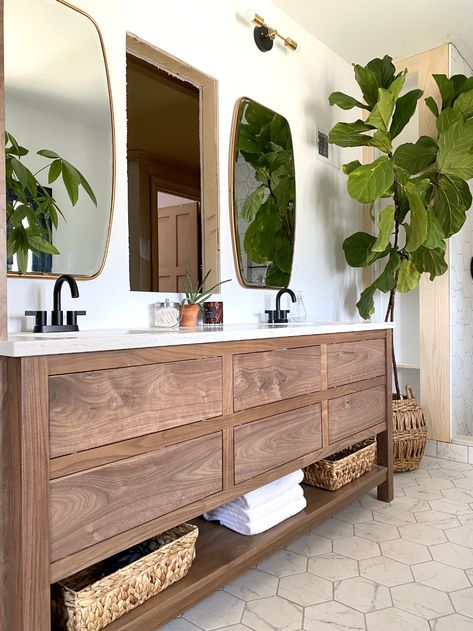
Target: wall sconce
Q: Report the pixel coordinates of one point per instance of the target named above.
(265, 35)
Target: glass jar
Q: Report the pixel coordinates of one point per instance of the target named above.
(166, 314)
(298, 311)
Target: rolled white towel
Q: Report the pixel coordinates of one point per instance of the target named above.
(234, 509)
(262, 524)
(270, 491)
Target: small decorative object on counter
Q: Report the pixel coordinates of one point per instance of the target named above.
(96, 596)
(409, 432)
(213, 313)
(298, 312)
(166, 314)
(196, 295)
(343, 467)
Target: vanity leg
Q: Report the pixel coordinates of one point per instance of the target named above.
(27, 590)
(385, 439)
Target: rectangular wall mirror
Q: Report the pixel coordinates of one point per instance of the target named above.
(57, 98)
(172, 171)
(263, 196)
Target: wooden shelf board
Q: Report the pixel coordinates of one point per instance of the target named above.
(409, 366)
(223, 554)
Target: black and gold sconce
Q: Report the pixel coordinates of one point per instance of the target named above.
(265, 35)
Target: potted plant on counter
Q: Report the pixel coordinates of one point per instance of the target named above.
(195, 296)
(420, 188)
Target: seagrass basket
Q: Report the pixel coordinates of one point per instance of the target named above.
(84, 602)
(341, 468)
(409, 432)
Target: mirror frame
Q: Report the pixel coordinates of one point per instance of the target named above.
(231, 187)
(49, 275)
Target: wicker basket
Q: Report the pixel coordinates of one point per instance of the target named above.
(409, 432)
(84, 603)
(341, 468)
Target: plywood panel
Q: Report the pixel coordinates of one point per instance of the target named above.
(354, 361)
(105, 406)
(275, 375)
(268, 443)
(356, 412)
(103, 502)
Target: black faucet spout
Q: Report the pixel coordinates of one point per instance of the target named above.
(281, 316)
(57, 317)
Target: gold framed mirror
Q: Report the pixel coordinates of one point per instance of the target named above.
(262, 196)
(58, 109)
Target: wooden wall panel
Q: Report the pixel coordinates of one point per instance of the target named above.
(265, 377)
(356, 412)
(268, 443)
(354, 361)
(90, 507)
(101, 407)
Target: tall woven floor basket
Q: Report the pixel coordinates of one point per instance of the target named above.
(409, 432)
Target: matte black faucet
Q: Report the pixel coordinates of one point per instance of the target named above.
(279, 316)
(57, 315)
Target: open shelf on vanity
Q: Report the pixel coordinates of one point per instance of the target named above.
(223, 554)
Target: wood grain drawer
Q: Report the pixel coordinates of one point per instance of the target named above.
(96, 408)
(356, 412)
(355, 361)
(265, 444)
(269, 376)
(95, 505)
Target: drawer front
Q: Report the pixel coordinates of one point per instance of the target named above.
(355, 361)
(95, 505)
(356, 412)
(265, 377)
(96, 408)
(265, 444)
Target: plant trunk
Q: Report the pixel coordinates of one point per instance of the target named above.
(390, 318)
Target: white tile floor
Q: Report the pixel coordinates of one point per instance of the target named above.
(407, 566)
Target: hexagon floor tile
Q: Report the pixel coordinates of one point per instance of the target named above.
(407, 566)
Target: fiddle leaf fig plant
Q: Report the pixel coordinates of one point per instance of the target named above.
(31, 210)
(420, 187)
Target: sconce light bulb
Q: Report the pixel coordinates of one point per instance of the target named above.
(292, 45)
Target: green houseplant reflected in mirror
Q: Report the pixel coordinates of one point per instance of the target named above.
(263, 196)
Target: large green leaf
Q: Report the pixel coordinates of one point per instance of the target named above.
(365, 304)
(447, 118)
(369, 181)
(446, 87)
(38, 245)
(418, 219)
(455, 154)
(246, 141)
(350, 166)
(382, 141)
(350, 134)
(358, 249)
(382, 111)
(257, 114)
(387, 279)
(435, 234)
(383, 69)
(432, 105)
(416, 157)
(345, 102)
(430, 261)
(368, 83)
(464, 103)
(252, 204)
(403, 112)
(452, 200)
(275, 277)
(397, 85)
(408, 277)
(386, 225)
(47, 153)
(283, 252)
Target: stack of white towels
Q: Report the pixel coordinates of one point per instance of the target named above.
(263, 508)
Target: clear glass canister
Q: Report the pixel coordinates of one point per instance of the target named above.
(298, 311)
(166, 314)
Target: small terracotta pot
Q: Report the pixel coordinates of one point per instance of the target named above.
(189, 316)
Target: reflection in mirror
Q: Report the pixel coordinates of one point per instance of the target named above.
(164, 189)
(57, 98)
(263, 196)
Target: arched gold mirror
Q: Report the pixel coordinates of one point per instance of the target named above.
(263, 195)
(57, 103)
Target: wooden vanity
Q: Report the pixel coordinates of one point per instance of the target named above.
(105, 449)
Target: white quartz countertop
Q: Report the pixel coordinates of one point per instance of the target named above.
(31, 344)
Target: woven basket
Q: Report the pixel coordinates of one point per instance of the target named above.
(341, 468)
(409, 432)
(84, 603)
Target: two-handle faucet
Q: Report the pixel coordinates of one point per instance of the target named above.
(278, 315)
(57, 314)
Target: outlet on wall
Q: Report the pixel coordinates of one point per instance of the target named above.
(325, 152)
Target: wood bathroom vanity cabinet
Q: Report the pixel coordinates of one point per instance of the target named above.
(106, 443)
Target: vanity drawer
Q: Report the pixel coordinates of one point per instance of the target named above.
(265, 444)
(269, 376)
(100, 503)
(355, 361)
(96, 408)
(355, 412)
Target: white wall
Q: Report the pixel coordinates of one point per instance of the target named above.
(213, 37)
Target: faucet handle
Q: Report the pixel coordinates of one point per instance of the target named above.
(271, 315)
(283, 316)
(41, 318)
(71, 317)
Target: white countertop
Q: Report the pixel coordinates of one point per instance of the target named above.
(31, 344)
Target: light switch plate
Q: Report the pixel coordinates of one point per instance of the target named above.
(325, 152)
